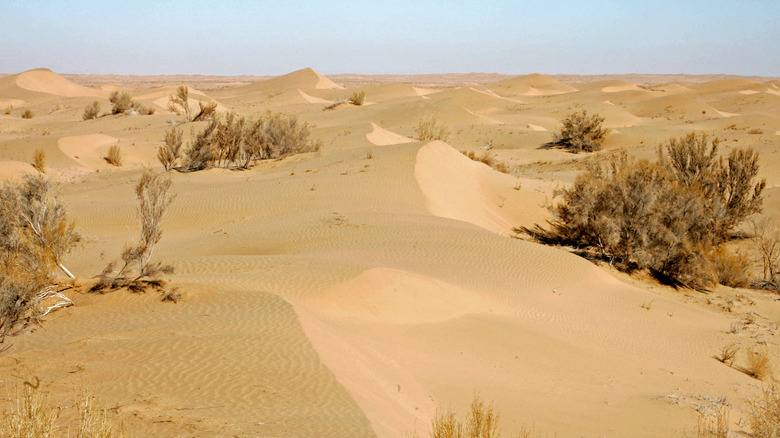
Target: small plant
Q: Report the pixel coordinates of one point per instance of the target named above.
(114, 156)
(758, 365)
(728, 353)
(179, 103)
(580, 132)
(206, 111)
(369, 155)
(91, 111)
(9, 109)
(766, 239)
(482, 422)
(170, 151)
(39, 161)
(428, 128)
(33, 417)
(755, 131)
(713, 421)
(647, 305)
(357, 98)
(27, 114)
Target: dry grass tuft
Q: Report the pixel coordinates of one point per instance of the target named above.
(713, 422)
(428, 129)
(482, 422)
(114, 156)
(28, 114)
(170, 152)
(206, 111)
(92, 111)
(39, 161)
(764, 415)
(758, 365)
(9, 109)
(32, 417)
(357, 98)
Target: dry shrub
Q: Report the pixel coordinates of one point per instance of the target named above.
(179, 103)
(91, 111)
(580, 132)
(670, 217)
(27, 114)
(728, 353)
(121, 102)
(39, 160)
(357, 98)
(93, 419)
(170, 151)
(114, 156)
(755, 131)
(206, 111)
(137, 272)
(428, 129)
(764, 415)
(766, 239)
(9, 109)
(758, 365)
(732, 269)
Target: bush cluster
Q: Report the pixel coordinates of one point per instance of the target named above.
(237, 142)
(671, 216)
(428, 129)
(122, 102)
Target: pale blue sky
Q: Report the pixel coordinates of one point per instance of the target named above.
(235, 37)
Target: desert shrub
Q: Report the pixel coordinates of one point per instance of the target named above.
(230, 142)
(276, 135)
(39, 160)
(357, 98)
(137, 272)
(28, 114)
(206, 111)
(580, 132)
(170, 151)
(9, 109)
(114, 156)
(732, 269)
(766, 239)
(428, 128)
(728, 353)
(764, 415)
(91, 111)
(199, 155)
(713, 421)
(121, 102)
(35, 234)
(758, 365)
(179, 103)
(670, 217)
(755, 131)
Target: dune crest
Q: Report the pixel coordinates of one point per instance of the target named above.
(44, 80)
(382, 137)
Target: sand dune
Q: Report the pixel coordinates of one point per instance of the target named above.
(383, 137)
(351, 291)
(43, 80)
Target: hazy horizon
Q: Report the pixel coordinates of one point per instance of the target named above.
(405, 37)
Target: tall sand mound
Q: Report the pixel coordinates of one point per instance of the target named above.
(88, 150)
(456, 187)
(43, 80)
(531, 85)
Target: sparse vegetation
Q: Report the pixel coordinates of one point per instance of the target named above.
(114, 156)
(9, 109)
(35, 235)
(91, 111)
(206, 111)
(179, 103)
(713, 421)
(39, 160)
(580, 132)
(238, 142)
(28, 114)
(357, 98)
(428, 129)
(766, 239)
(728, 353)
(755, 131)
(671, 217)
(137, 272)
(170, 152)
(123, 103)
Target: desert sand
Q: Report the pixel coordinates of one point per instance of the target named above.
(352, 291)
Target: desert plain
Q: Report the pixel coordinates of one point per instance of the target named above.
(354, 290)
